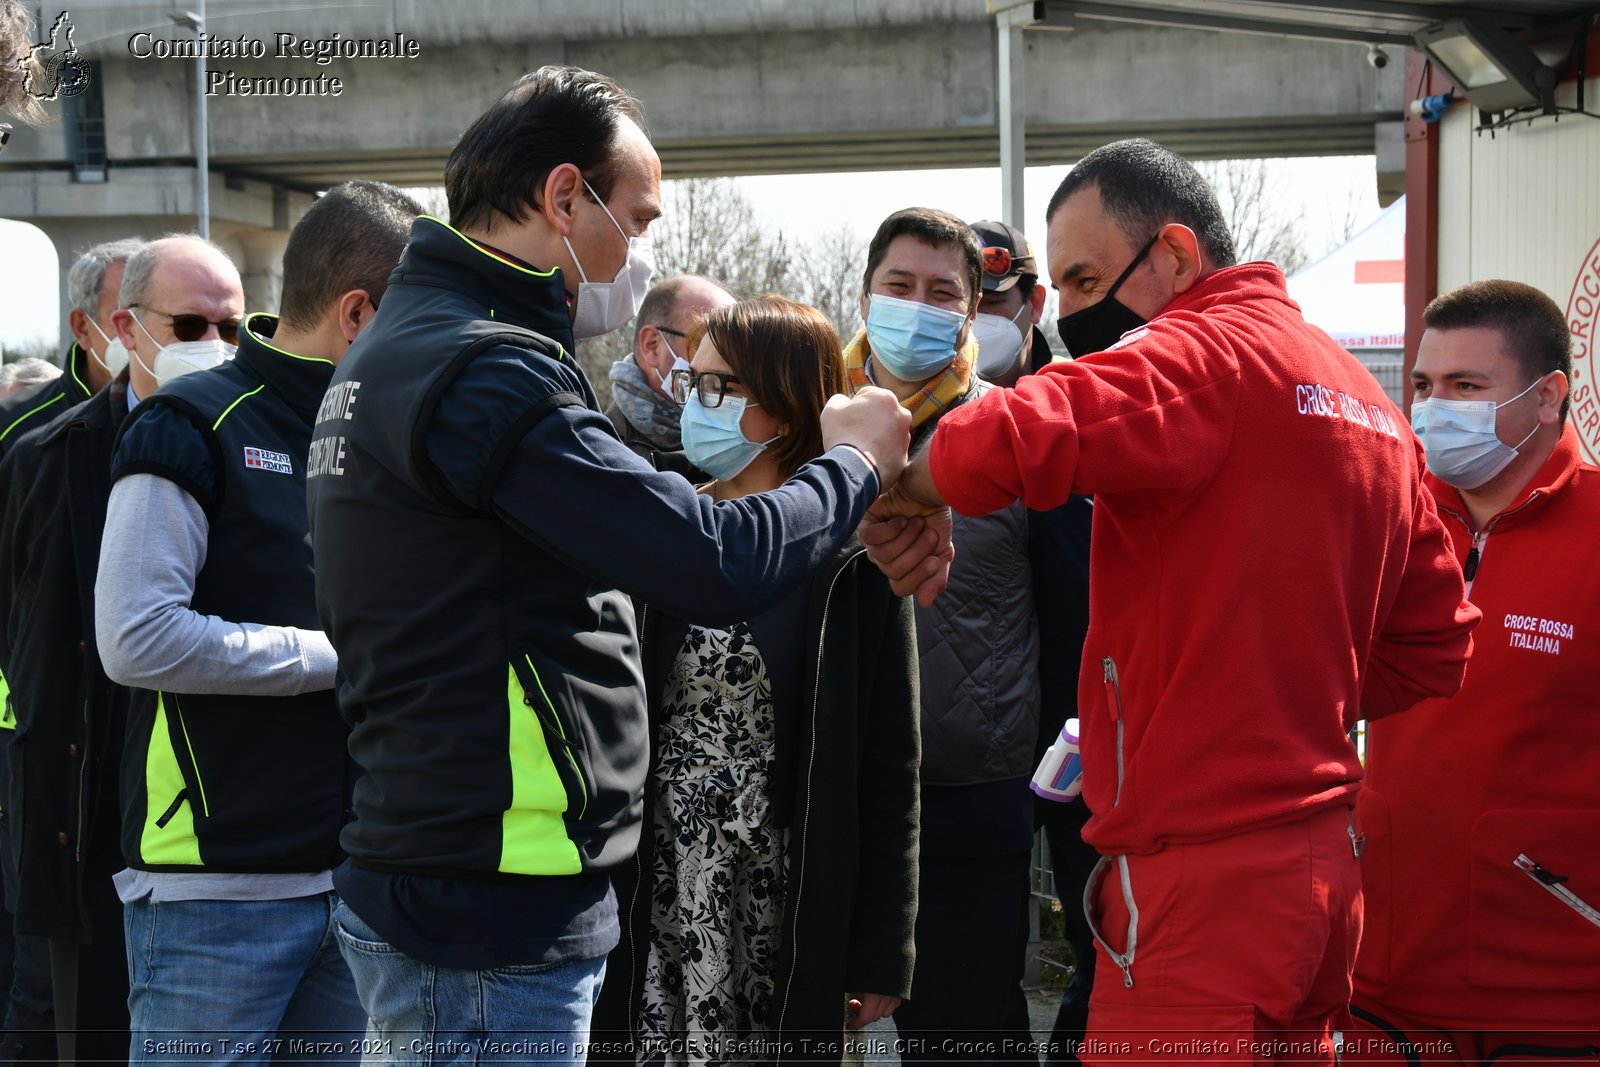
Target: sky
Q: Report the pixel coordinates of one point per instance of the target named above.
(1317, 191)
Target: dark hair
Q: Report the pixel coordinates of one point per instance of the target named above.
(1144, 186)
(1531, 325)
(934, 227)
(786, 354)
(553, 116)
(351, 238)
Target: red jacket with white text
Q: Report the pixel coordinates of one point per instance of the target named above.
(1265, 567)
(1456, 934)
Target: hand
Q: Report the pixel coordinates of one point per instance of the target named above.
(911, 544)
(874, 422)
(869, 1009)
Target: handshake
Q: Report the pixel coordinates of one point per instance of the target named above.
(907, 529)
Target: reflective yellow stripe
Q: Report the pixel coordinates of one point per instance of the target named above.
(174, 843)
(29, 414)
(229, 409)
(533, 836)
(8, 717)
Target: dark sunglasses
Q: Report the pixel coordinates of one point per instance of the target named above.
(194, 327)
(997, 261)
(5, 134)
(710, 385)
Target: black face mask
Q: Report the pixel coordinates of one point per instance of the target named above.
(1098, 326)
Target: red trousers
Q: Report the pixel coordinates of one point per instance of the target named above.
(1240, 950)
(1378, 1037)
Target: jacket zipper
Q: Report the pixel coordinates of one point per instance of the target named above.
(561, 732)
(638, 864)
(1480, 538)
(194, 764)
(83, 775)
(796, 873)
(1555, 883)
(1114, 692)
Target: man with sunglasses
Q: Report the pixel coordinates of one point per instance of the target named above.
(642, 408)
(235, 776)
(1267, 568)
(180, 311)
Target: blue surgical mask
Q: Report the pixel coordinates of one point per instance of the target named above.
(912, 340)
(712, 439)
(1462, 440)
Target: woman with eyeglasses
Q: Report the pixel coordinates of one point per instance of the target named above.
(773, 898)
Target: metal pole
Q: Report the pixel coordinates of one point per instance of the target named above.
(202, 130)
(1012, 107)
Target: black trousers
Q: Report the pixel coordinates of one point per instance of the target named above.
(967, 1003)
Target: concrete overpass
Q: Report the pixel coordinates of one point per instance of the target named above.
(731, 87)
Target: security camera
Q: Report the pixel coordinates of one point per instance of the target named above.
(1377, 57)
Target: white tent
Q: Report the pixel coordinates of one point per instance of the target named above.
(1357, 292)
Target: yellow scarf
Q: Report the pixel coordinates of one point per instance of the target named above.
(944, 389)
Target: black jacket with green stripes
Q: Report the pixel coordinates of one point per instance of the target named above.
(25, 410)
(31, 407)
(62, 807)
(224, 782)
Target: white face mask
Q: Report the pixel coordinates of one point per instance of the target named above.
(116, 356)
(183, 357)
(606, 306)
(1000, 342)
(678, 364)
(1461, 438)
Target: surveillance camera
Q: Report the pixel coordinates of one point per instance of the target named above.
(1377, 57)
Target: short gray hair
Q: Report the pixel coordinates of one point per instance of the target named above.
(142, 266)
(87, 278)
(26, 372)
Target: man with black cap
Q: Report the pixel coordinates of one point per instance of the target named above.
(1007, 327)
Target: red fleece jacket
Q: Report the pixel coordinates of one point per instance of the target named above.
(1266, 566)
(1456, 935)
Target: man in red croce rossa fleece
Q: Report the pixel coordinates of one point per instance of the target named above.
(1266, 568)
(1482, 940)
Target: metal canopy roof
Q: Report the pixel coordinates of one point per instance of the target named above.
(1374, 21)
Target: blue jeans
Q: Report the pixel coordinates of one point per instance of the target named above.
(226, 981)
(422, 1014)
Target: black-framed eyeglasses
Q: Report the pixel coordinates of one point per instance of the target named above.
(194, 327)
(669, 329)
(711, 386)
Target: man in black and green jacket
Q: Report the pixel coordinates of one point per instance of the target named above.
(478, 528)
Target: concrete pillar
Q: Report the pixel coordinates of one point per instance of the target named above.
(1010, 102)
(261, 266)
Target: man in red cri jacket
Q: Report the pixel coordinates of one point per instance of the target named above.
(1266, 569)
(1482, 868)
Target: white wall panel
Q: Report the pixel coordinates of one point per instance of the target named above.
(1525, 204)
